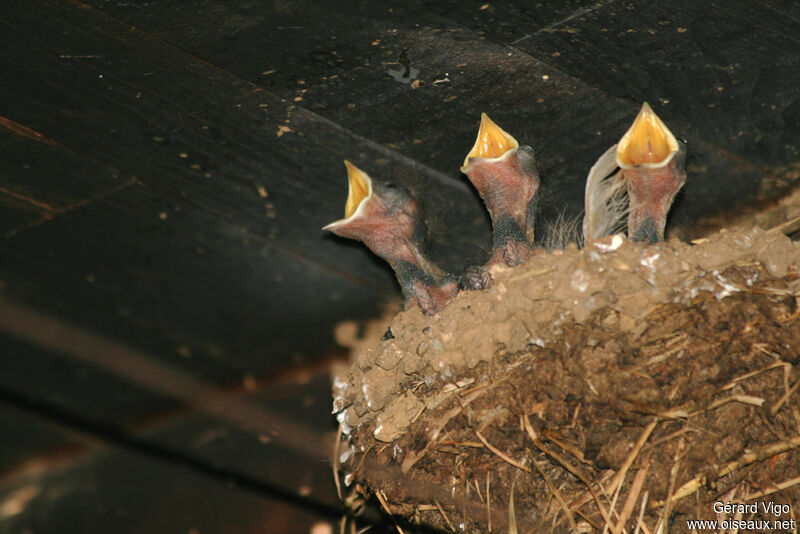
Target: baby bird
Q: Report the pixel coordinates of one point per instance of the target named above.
(387, 220)
(651, 163)
(505, 176)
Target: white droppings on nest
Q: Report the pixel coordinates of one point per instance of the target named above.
(772, 266)
(649, 263)
(745, 240)
(365, 391)
(728, 288)
(345, 456)
(340, 385)
(539, 342)
(751, 278)
(609, 245)
(580, 281)
(342, 418)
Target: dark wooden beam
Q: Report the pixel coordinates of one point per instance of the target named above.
(95, 487)
(118, 96)
(566, 78)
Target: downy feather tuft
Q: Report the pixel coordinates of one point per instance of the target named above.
(606, 198)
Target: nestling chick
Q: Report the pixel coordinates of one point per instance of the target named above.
(505, 176)
(387, 220)
(651, 165)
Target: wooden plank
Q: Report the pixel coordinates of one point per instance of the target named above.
(342, 63)
(234, 289)
(346, 64)
(16, 213)
(102, 231)
(39, 179)
(33, 439)
(274, 436)
(46, 174)
(40, 377)
(119, 97)
(198, 291)
(230, 444)
(498, 20)
(196, 333)
(787, 7)
(114, 265)
(262, 457)
(102, 489)
(725, 74)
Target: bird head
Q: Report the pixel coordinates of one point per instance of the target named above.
(376, 214)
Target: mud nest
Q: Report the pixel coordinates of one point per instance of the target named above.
(622, 386)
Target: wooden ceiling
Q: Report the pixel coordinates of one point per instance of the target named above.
(166, 168)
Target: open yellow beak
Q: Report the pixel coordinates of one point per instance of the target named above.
(492, 141)
(359, 191)
(359, 188)
(648, 142)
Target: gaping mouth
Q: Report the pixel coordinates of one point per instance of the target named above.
(360, 188)
(492, 141)
(359, 191)
(648, 142)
